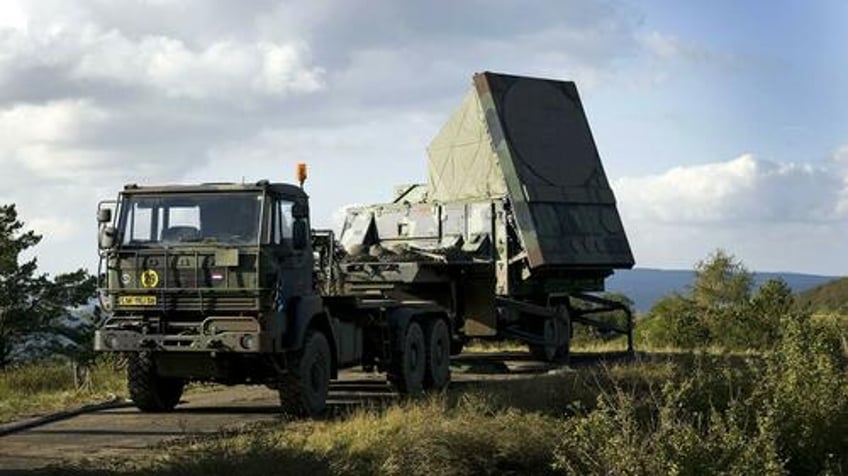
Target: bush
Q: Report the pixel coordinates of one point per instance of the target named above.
(614, 440)
(721, 309)
(805, 394)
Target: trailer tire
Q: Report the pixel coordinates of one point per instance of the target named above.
(558, 332)
(438, 338)
(304, 387)
(409, 364)
(149, 391)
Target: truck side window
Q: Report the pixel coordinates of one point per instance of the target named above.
(140, 224)
(284, 220)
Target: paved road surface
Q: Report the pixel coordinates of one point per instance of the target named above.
(125, 430)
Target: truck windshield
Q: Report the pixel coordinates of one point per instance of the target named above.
(191, 218)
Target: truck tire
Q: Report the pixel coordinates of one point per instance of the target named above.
(304, 387)
(149, 391)
(438, 339)
(409, 365)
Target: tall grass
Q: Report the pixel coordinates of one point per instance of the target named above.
(47, 386)
(784, 411)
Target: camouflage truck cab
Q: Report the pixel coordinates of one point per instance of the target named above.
(208, 282)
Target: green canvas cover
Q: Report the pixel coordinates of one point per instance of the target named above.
(463, 165)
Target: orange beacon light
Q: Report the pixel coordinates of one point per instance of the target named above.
(301, 173)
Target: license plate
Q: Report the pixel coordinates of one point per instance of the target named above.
(137, 300)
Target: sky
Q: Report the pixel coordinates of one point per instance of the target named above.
(720, 124)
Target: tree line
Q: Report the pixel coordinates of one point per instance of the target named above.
(34, 306)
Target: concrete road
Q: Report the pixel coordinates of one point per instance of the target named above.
(125, 430)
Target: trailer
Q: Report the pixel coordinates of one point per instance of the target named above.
(228, 283)
(514, 229)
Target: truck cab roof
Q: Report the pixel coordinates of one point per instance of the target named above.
(286, 189)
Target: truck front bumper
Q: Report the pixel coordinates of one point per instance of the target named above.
(214, 334)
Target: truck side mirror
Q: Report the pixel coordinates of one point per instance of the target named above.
(106, 240)
(299, 234)
(104, 215)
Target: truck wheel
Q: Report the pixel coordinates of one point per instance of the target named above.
(438, 355)
(555, 332)
(410, 364)
(149, 391)
(304, 387)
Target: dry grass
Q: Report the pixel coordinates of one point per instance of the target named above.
(44, 387)
(705, 412)
(491, 427)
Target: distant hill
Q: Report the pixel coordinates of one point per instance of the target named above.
(645, 286)
(830, 296)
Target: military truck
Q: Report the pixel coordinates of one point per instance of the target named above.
(514, 230)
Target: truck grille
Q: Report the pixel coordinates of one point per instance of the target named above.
(208, 303)
(185, 282)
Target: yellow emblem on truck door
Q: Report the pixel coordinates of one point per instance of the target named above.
(149, 278)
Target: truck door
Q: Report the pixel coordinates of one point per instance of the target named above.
(291, 246)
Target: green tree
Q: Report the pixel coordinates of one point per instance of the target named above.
(768, 312)
(720, 308)
(675, 320)
(721, 281)
(32, 303)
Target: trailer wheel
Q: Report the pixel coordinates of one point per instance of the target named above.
(304, 387)
(558, 334)
(438, 355)
(410, 364)
(149, 391)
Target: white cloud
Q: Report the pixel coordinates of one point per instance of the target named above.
(54, 122)
(746, 189)
(12, 15)
(220, 69)
(670, 47)
(775, 216)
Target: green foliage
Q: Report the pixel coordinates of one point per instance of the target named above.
(615, 440)
(583, 334)
(721, 281)
(805, 394)
(829, 297)
(32, 303)
(721, 309)
(674, 320)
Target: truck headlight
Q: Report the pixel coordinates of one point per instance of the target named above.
(247, 341)
(110, 341)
